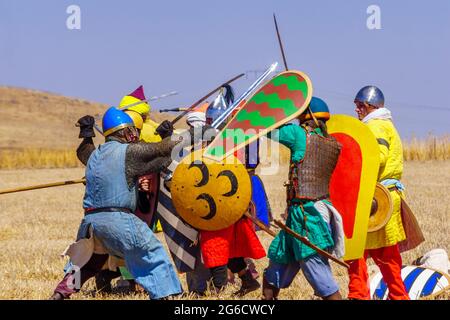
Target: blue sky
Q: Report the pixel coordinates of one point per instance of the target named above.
(192, 46)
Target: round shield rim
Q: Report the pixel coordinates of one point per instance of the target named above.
(198, 154)
(381, 224)
(263, 132)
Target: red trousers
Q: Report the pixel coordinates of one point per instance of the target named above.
(389, 261)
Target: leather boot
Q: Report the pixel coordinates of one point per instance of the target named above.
(248, 285)
(270, 292)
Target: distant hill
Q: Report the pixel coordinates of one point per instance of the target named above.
(36, 119)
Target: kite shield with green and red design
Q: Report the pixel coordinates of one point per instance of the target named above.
(280, 100)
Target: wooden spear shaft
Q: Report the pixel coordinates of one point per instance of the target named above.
(285, 63)
(295, 235)
(309, 244)
(261, 225)
(42, 186)
(281, 225)
(280, 42)
(204, 98)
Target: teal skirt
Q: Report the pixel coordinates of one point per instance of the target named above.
(309, 223)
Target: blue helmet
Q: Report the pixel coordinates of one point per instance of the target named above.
(114, 120)
(371, 95)
(319, 108)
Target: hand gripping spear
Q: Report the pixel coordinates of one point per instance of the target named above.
(165, 95)
(62, 183)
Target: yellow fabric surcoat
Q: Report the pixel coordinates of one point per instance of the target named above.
(148, 133)
(391, 167)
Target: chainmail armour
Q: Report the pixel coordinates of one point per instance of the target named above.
(310, 178)
(143, 158)
(140, 159)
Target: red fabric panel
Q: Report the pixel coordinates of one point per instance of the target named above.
(238, 240)
(345, 181)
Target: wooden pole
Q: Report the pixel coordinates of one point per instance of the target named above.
(280, 42)
(295, 235)
(261, 225)
(309, 244)
(42, 186)
(204, 98)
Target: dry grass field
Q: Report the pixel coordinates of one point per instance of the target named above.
(38, 131)
(36, 226)
(35, 119)
(41, 120)
(431, 148)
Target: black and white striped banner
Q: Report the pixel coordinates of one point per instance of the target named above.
(180, 237)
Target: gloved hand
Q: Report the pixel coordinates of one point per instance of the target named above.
(86, 125)
(165, 129)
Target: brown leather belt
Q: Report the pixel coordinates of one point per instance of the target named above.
(327, 196)
(107, 209)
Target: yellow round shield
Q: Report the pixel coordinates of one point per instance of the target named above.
(210, 195)
(382, 208)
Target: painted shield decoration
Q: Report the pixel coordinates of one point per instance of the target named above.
(278, 101)
(210, 195)
(420, 283)
(353, 181)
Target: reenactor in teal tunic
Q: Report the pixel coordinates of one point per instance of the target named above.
(314, 155)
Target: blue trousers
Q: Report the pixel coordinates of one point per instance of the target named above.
(316, 269)
(126, 236)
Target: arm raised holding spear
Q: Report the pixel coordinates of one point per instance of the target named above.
(87, 125)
